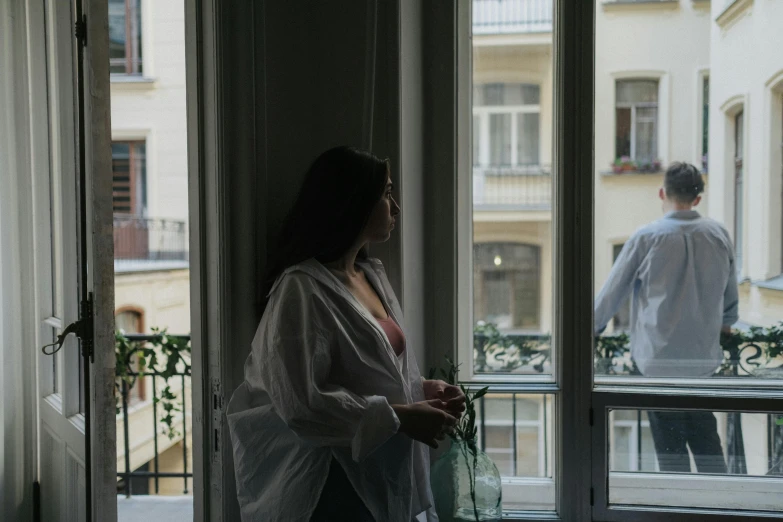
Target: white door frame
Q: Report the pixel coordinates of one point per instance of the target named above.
(203, 115)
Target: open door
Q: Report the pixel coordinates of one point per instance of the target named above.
(74, 260)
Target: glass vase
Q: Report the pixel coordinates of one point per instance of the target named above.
(466, 485)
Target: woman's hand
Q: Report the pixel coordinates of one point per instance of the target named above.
(425, 421)
(451, 395)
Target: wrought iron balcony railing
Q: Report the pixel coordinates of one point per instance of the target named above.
(164, 361)
(755, 354)
(138, 239)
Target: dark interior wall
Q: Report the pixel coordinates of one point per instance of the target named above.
(294, 79)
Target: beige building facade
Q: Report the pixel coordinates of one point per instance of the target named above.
(149, 160)
(746, 137)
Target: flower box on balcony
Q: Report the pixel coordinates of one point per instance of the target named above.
(625, 165)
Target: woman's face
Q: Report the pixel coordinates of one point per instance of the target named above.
(383, 216)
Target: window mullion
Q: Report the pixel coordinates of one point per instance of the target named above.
(514, 139)
(574, 44)
(484, 144)
(633, 132)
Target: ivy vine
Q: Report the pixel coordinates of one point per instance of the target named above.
(758, 350)
(164, 356)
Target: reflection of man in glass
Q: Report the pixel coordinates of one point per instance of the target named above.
(680, 273)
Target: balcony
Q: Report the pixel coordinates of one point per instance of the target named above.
(495, 17)
(512, 188)
(154, 448)
(142, 244)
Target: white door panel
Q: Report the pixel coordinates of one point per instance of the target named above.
(68, 251)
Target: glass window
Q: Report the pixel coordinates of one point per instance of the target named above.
(506, 283)
(683, 391)
(511, 135)
(125, 37)
(132, 322)
(696, 459)
(512, 244)
(515, 430)
(636, 120)
(129, 171)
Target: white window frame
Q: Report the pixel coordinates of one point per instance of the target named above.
(664, 103)
(730, 109)
(574, 37)
(635, 118)
(702, 74)
(484, 113)
(772, 162)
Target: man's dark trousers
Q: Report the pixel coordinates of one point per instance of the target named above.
(674, 431)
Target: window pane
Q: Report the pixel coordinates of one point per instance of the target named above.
(512, 191)
(507, 307)
(499, 139)
(696, 266)
(54, 358)
(512, 244)
(125, 52)
(506, 94)
(696, 459)
(637, 91)
(527, 139)
(623, 132)
(122, 181)
(515, 430)
(117, 36)
(646, 135)
(129, 171)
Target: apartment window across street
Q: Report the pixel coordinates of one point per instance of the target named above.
(507, 285)
(506, 120)
(125, 37)
(636, 120)
(132, 322)
(129, 172)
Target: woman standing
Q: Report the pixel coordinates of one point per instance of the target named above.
(333, 420)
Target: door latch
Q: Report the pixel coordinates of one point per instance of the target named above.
(82, 328)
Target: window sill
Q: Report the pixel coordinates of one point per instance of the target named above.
(618, 5)
(694, 491)
(733, 12)
(132, 81)
(611, 173)
(127, 266)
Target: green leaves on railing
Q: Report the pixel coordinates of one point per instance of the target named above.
(756, 351)
(160, 356)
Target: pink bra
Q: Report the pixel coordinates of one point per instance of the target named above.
(394, 333)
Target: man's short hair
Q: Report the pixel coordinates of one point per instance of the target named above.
(683, 182)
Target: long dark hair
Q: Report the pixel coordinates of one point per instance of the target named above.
(338, 195)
